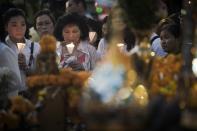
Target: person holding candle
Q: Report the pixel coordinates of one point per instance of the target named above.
(115, 28)
(16, 27)
(72, 29)
(95, 26)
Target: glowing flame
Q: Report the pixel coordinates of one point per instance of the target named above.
(120, 46)
(70, 47)
(194, 66)
(20, 46)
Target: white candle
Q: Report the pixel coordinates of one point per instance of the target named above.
(120, 46)
(194, 66)
(70, 47)
(92, 36)
(20, 46)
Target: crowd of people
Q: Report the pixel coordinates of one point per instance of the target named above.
(91, 38)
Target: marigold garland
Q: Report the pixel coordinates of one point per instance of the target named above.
(164, 75)
(20, 110)
(67, 77)
(48, 44)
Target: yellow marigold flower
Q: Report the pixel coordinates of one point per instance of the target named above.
(83, 75)
(19, 104)
(48, 44)
(165, 72)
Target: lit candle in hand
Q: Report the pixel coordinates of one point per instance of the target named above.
(20, 46)
(120, 46)
(70, 47)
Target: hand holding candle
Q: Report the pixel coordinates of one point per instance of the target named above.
(120, 46)
(20, 46)
(70, 47)
(22, 61)
(92, 37)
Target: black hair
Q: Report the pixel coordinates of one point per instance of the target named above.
(81, 1)
(105, 19)
(71, 18)
(13, 12)
(170, 20)
(3, 8)
(129, 38)
(174, 29)
(44, 12)
(163, 23)
(176, 17)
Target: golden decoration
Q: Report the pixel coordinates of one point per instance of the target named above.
(20, 107)
(67, 77)
(141, 95)
(164, 75)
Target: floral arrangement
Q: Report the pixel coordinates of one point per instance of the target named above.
(48, 44)
(114, 89)
(65, 78)
(48, 73)
(21, 115)
(66, 83)
(165, 74)
(50, 83)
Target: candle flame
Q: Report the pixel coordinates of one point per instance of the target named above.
(20, 46)
(70, 47)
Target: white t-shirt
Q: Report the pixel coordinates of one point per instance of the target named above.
(27, 52)
(102, 47)
(156, 46)
(88, 53)
(9, 59)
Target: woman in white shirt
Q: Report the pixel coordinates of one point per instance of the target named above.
(72, 28)
(115, 29)
(15, 26)
(9, 59)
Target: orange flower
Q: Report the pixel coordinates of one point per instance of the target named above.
(164, 73)
(48, 44)
(66, 78)
(19, 104)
